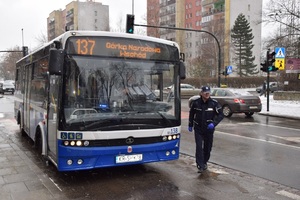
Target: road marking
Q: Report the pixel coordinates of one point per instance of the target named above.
(282, 127)
(288, 194)
(291, 139)
(255, 123)
(255, 139)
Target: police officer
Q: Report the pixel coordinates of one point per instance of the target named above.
(205, 114)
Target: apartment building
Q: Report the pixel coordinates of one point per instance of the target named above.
(214, 16)
(88, 15)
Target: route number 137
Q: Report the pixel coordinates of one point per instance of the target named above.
(85, 47)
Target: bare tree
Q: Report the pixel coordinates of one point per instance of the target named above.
(41, 39)
(8, 64)
(287, 16)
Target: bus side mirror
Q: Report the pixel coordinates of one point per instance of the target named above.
(56, 61)
(182, 70)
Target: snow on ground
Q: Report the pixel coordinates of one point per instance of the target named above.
(278, 107)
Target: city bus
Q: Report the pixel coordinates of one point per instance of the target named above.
(92, 99)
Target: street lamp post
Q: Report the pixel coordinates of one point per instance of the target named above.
(185, 29)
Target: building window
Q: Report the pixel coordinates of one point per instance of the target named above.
(95, 13)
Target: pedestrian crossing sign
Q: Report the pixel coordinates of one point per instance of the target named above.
(279, 58)
(279, 52)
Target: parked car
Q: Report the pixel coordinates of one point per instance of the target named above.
(8, 87)
(273, 86)
(1, 88)
(10, 81)
(186, 90)
(234, 101)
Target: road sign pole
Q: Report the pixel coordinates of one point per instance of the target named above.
(268, 83)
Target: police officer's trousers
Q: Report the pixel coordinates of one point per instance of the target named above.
(204, 142)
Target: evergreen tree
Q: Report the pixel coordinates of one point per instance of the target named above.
(241, 36)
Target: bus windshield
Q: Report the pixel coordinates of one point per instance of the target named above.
(116, 94)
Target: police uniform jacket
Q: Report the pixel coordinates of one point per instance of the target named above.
(203, 113)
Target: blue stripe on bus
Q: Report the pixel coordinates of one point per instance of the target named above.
(98, 157)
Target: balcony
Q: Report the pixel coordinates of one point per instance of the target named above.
(207, 2)
(167, 12)
(166, 3)
(213, 12)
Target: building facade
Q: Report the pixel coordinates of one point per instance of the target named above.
(88, 15)
(213, 16)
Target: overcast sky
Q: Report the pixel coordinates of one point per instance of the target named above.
(31, 16)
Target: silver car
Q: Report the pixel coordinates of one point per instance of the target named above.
(8, 87)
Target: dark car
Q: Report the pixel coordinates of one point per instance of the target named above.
(235, 101)
(273, 86)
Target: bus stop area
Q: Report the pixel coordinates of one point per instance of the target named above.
(21, 177)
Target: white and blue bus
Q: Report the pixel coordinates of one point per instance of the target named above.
(92, 99)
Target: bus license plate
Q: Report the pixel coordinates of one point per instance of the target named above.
(129, 158)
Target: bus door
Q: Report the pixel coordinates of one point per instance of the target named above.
(53, 117)
(28, 74)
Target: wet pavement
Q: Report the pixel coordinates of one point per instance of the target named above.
(21, 178)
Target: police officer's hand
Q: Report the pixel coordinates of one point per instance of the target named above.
(211, 126)
(190, 128)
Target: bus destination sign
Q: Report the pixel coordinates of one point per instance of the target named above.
(121, 47)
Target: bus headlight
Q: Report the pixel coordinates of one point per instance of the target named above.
(69, 162)
(78, 143)
(72, 143)
(66, 143)
(79, 161)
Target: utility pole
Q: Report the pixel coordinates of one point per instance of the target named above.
(22, 39)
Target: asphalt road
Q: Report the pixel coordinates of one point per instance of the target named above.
(263, 146)
(245, 149)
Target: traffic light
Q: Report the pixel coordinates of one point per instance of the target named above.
(270, 61)
(225, 71)
(25, 51)
(264, 67)
(272, 68)
(130, 24)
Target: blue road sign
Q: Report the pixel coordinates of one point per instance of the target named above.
(279, 52)
(229, 69)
